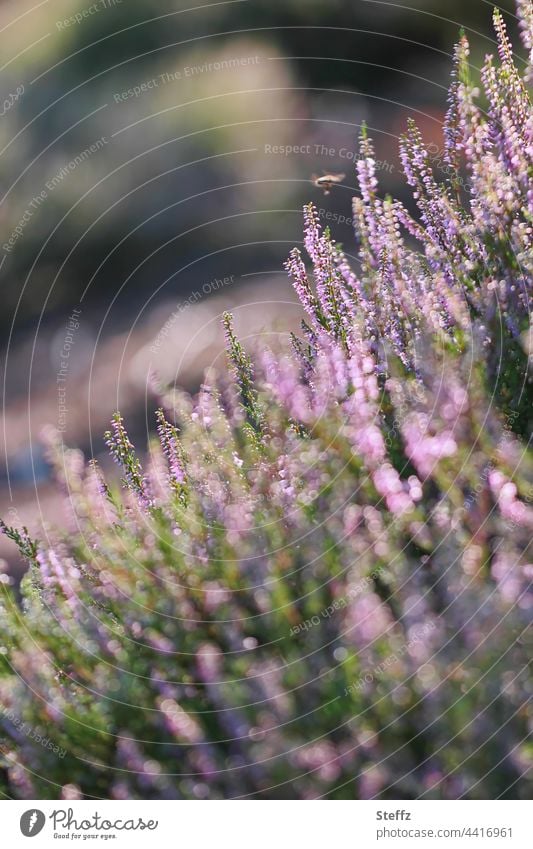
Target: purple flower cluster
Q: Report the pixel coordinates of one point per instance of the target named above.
(320, 585)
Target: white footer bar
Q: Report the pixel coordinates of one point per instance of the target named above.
(268, 825)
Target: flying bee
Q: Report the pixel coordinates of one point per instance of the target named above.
(327, 181)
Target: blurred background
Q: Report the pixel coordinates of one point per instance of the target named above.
(154, 159)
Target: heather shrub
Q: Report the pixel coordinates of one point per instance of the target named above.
(317, 584)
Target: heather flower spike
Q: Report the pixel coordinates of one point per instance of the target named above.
(123, 453)
(25, 544)
(244, 375)
(172, 448)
